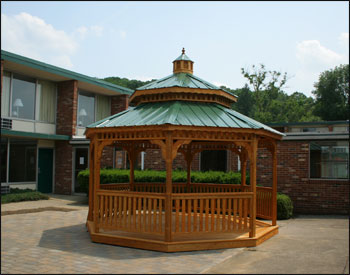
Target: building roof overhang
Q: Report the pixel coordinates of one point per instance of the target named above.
(30, 67)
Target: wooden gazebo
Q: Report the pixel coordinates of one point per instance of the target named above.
(181, 113)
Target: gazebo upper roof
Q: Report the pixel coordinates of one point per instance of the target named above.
(182, 85)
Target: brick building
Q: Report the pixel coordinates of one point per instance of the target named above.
(44, 111)
(313, 166)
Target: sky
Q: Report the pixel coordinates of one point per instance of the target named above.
(139, 40)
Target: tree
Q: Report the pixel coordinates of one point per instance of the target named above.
(263, 80)
(332, 94)
(245, 102)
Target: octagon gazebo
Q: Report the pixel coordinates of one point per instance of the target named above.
(181, 113)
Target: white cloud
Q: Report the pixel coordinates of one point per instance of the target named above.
(31, 36)
(312, 54)
(344, 40)
(314, 59)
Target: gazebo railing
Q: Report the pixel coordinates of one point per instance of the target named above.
(130, 211)
(212, 213)
(192, 212)
(263, 194)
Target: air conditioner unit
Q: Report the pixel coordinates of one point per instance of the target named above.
(6, 123)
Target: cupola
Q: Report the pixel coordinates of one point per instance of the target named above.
(183, 64)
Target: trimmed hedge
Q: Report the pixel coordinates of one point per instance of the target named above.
(284, 207)
(122, 176)
(17, 195)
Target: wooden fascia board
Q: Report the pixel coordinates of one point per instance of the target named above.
(138, 93)
(168, 127)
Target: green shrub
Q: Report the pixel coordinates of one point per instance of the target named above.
(284, 207)
(122, 176)
(17, 195)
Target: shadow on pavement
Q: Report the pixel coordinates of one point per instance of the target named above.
(76, 239)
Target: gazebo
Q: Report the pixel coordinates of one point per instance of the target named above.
(182, 113)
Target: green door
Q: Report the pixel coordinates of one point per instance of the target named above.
(45, 170)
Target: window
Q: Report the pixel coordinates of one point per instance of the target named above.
(28, 98)
(5, 95)
(329, 160)
(46, 101)
(87, 102)
(22, 163)
(23, 97)
(86, 109)
(103, 107)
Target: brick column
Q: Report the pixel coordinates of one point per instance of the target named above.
(63, 168)
(67, 101)
(119, 103)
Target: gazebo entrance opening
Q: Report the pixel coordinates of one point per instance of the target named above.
(170, 216)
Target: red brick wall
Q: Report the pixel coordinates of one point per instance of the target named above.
(107, 157)
(119, 103)
(67, 98)
(309, 196)
(63, 167)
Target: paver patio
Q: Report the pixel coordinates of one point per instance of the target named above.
(58, 242)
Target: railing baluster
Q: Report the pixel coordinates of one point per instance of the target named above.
(154, 227)
(160, 216)
(177, 207)
(229, 214)
(234, 214)
(212, 214)
(223, 226)
(200, 215)
(218, 210)
(183, 213)
(195, 218)
(206, 214)
(189, 211)
(240, 214)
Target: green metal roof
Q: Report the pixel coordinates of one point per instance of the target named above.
(183, 113)
(185, 80)
(183, 57)
(62, 72)
(7, 132)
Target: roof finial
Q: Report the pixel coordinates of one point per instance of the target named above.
(183, 50)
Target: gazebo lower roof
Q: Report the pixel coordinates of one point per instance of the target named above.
(182, 113)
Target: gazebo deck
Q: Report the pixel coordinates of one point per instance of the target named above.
(185, 241)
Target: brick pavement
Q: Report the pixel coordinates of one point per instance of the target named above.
(58, 242)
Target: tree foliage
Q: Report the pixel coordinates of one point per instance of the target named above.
(268, 103)
(128, 83)
(332, 94)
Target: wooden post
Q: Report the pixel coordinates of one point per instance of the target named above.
(243, 160)
(91, 181)
(97, 158)
(189, 162)
(168, 187)
(274, 184)
(253, 156)
(131, 154)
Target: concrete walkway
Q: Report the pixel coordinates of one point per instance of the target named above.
(56, 241)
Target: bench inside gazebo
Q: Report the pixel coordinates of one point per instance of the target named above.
(182, 113)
